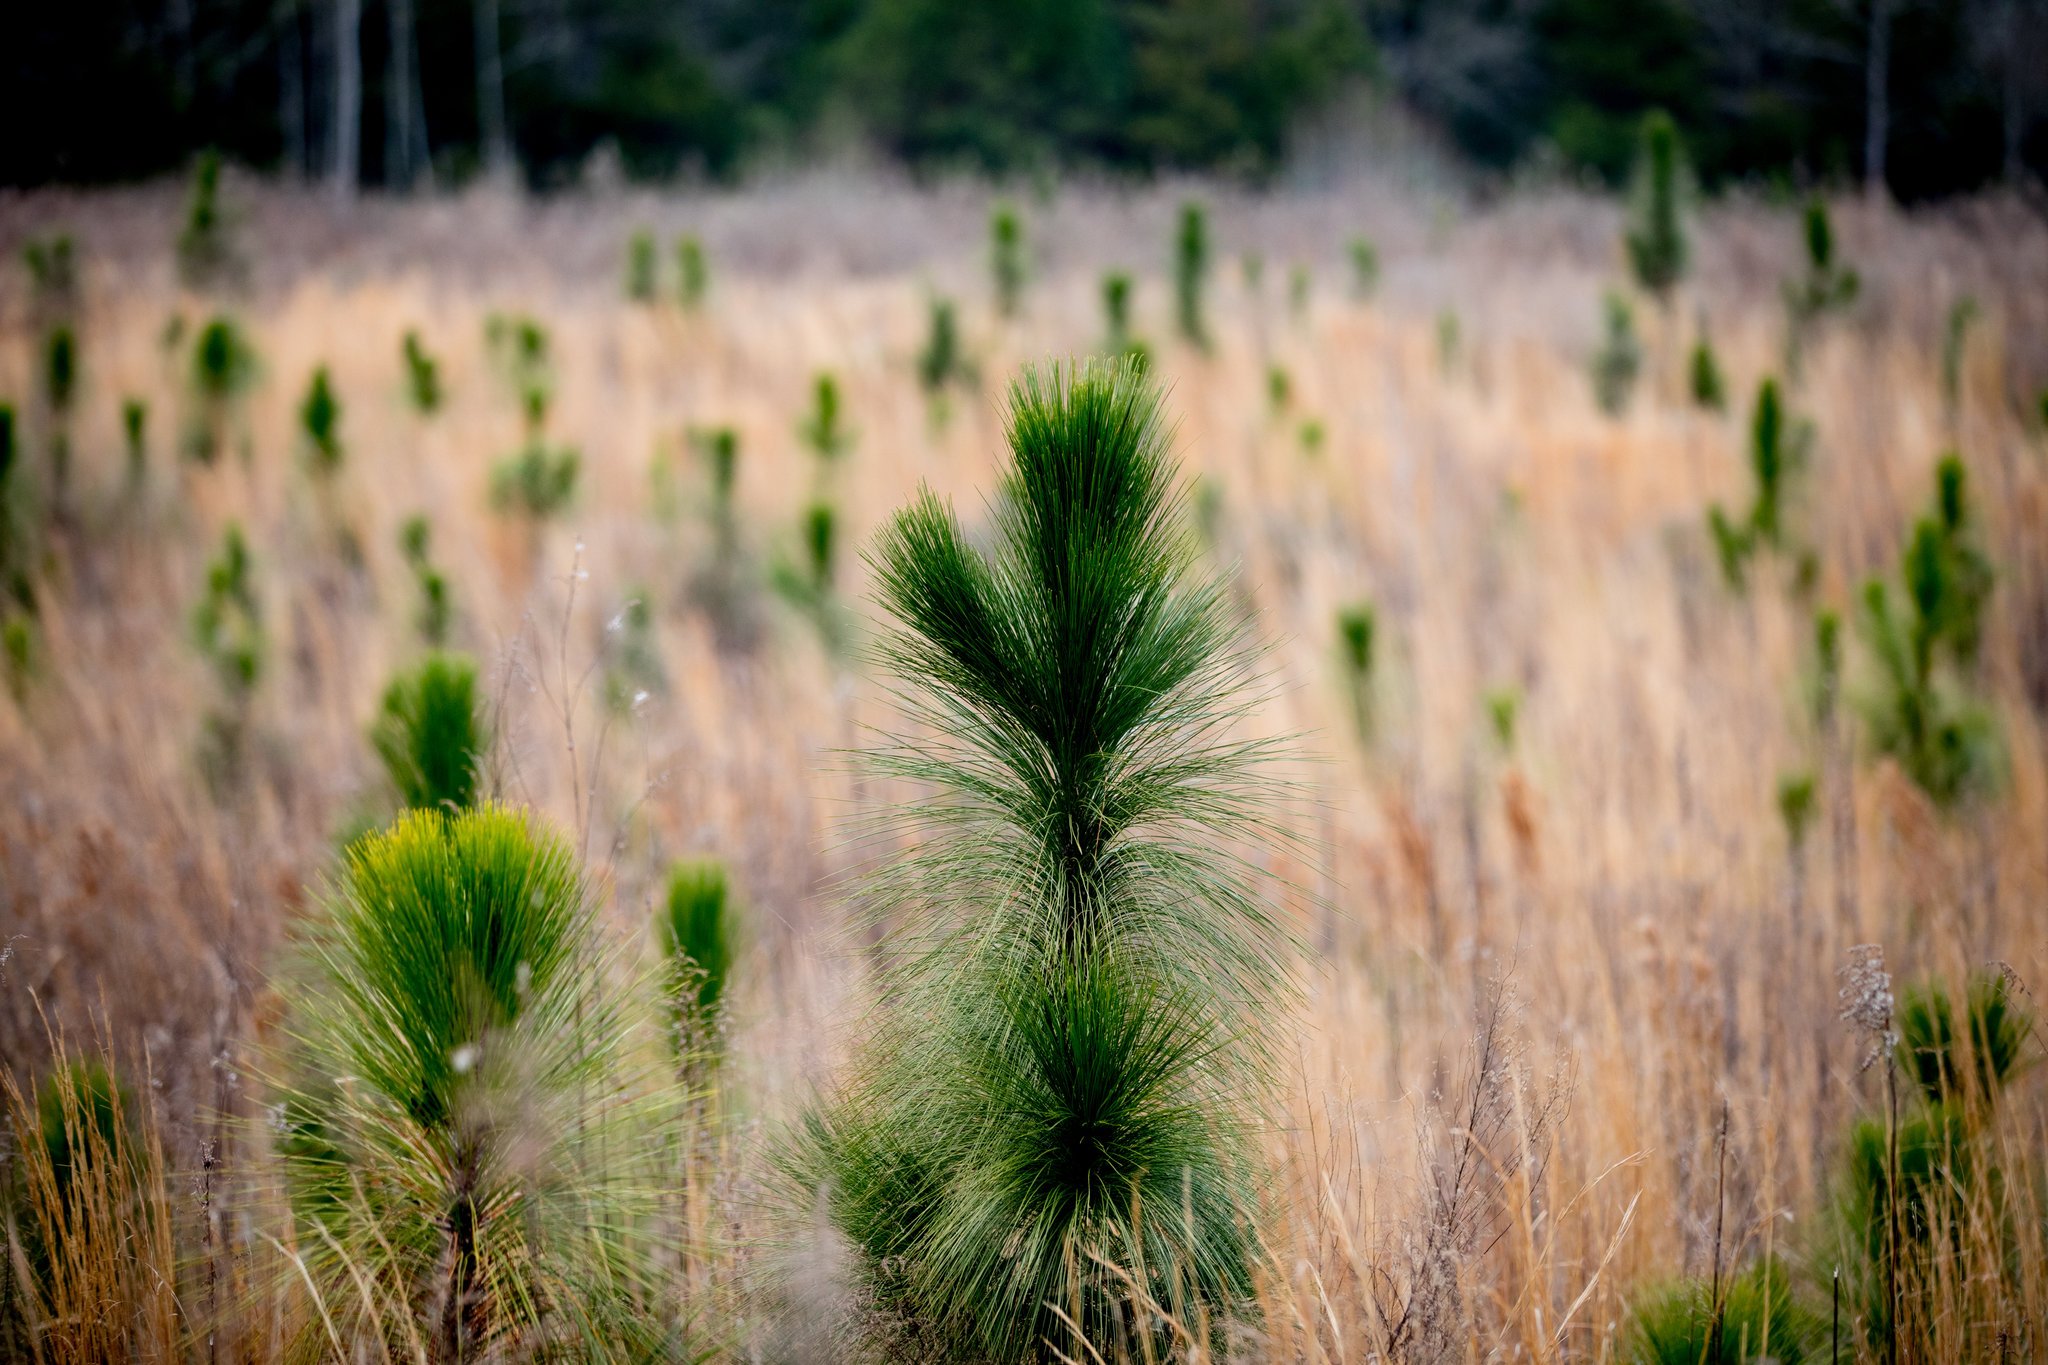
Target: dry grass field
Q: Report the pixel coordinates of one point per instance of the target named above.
(1568, 1024)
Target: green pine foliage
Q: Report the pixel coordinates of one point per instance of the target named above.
(1365, 268)
(1119, 341)
(1796, 806)
(135, 441)
(52, 271)
(1357, 645)
(695, 929)
(1299, 284)
(1620, 357)
(824, 428)
(633, 667)
(206, 250)
(1827, 285)
(1754, 1318)
(1503, 714)
(1006, 258)
(227, 628)
(436, 609)
(1967, 1062)
(320, 423)
(941, 363)
(1656, 237)
(422, 376)
(1924, 644)
(467, 1105)
(223, 365)
(725, 584)
(431, 735)
(693, 275)
(1962, 315)
(1778, 447)
(1709, 389)
(538, 481)
(1064, 1057)
(1190, 273)
(60, 368)
(640, 271)
(520, 347)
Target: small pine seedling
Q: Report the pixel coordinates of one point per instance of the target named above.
(223, 364)
(1006, 258)
(1299, 283)
(1796, 807)
(1190, 273)
(18, 654)
(1955, 336)
(537, 481)
(422, 376)
(1120, 342)
(693, 276)
(824, 429)
(1709, 390)
(1753, 1316)
(320, 422)
(1827, 285)
(436, 610)
(1357, 642)
(633, 669)
(640, 282)
(520, 345)
(1619, 359)
(1503, 708)
(820, 534)
(227, 627)
(1279, 389)
(134, 433)
(431, 734)
(1365, 268)
(694, 929)
(52, 270)
(1656, 238)
(205, 252)
(940, 363)
(60, 368)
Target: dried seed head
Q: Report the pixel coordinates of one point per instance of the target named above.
(1866, 1000)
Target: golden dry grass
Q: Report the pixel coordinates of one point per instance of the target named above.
(1623, 866)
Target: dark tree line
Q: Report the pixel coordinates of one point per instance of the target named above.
(1925, 96)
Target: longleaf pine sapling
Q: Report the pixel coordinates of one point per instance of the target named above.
(422, 376)
(1120, 343)
(1620, 357)
(431, 734)
(940, 363)
(223, 364)
(1190, 273)
(1357, 642)
(134, 441)
(695, 930)
(436, 608)
(1365, 268)
(1656, 236)
(227, 628)
(640, 274)
(320, 423)
(467, 1103)
(693, 275)
(206, 253)
(824, 428)
(1065, 1061)
(1709, 389)
(1006, 258)
(1962, 314)
(1827, 284)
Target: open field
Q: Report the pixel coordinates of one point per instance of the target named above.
(1571, 785)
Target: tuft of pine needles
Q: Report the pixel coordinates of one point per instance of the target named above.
(1620, 357)
(320, 422)
(1062, 1066)
(1006, 258)
(1656, 236)
(1190, 273)
(695, 930)
(422, 376)
(431, 734)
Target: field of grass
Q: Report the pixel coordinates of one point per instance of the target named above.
(1567, 1026)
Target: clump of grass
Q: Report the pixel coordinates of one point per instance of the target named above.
(206, 249)
(470, 1112)
(1709, 389)
(1190, 274)
(431, 734)
(1754, 1317)
(1006, 258)
(1656, 235)
(1062, 1066)
(1918, 711)
(695, 930)
(227, 628)
(436, 609)
(223, 365)
(422, 376)
(640, 271)
(1620, 357)
(1365, 268)
(1357, 650)
(320, 423)
(824, 428)
(693, 276)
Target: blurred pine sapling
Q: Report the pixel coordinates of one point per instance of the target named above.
(1962, 315)
(1620, 357)
(1006, 258)
(436, 608)
(206, 250)
(640, 268)
(1754, 1317)
(521, 349)
(537, 482)
(1796, 807)
(18, 654)
(725, 583)
(1365, 268)
(1299, 282)
(481, 1181)
(1778, 449)
(1709, 389)
(52, 271)
(941, 364)
(1065, 1059)
(1827, 285)
(1279, 390)
(134, 441)
(633, 668)
(223, 365)
(693, 276)
(1120, 342)
(227, 628)
(695, 930)
(320, 423)
(431, 735)
(1357, 645)
(824, 428)
(1311, 434)
(1503, 712)
(60, 369)
(422, 376)
(1447, 340)
(1656, 234)
(1190, 274)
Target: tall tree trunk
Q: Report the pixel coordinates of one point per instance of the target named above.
(1877, 98)
(405, 122)
(348, 96)
(490, 90)
(291, 88)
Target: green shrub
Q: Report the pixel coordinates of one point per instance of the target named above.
(223, 365)
(640, 282)
(1062, 1061)
(824, 430)
(1656, 238)
(1756, 1319)
(431, 734)
(422, 376)
(1190, 273)
(939, 364)
(206, 252)
(693, 276)
(320, 422)
(1365, 268)
(60, 368)
(415, 539)
(1620, 357)
(695, 931)
(481, 1179)
(1709, 390)
(1988, 1047)
(1006, 258)
(1796, 806)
